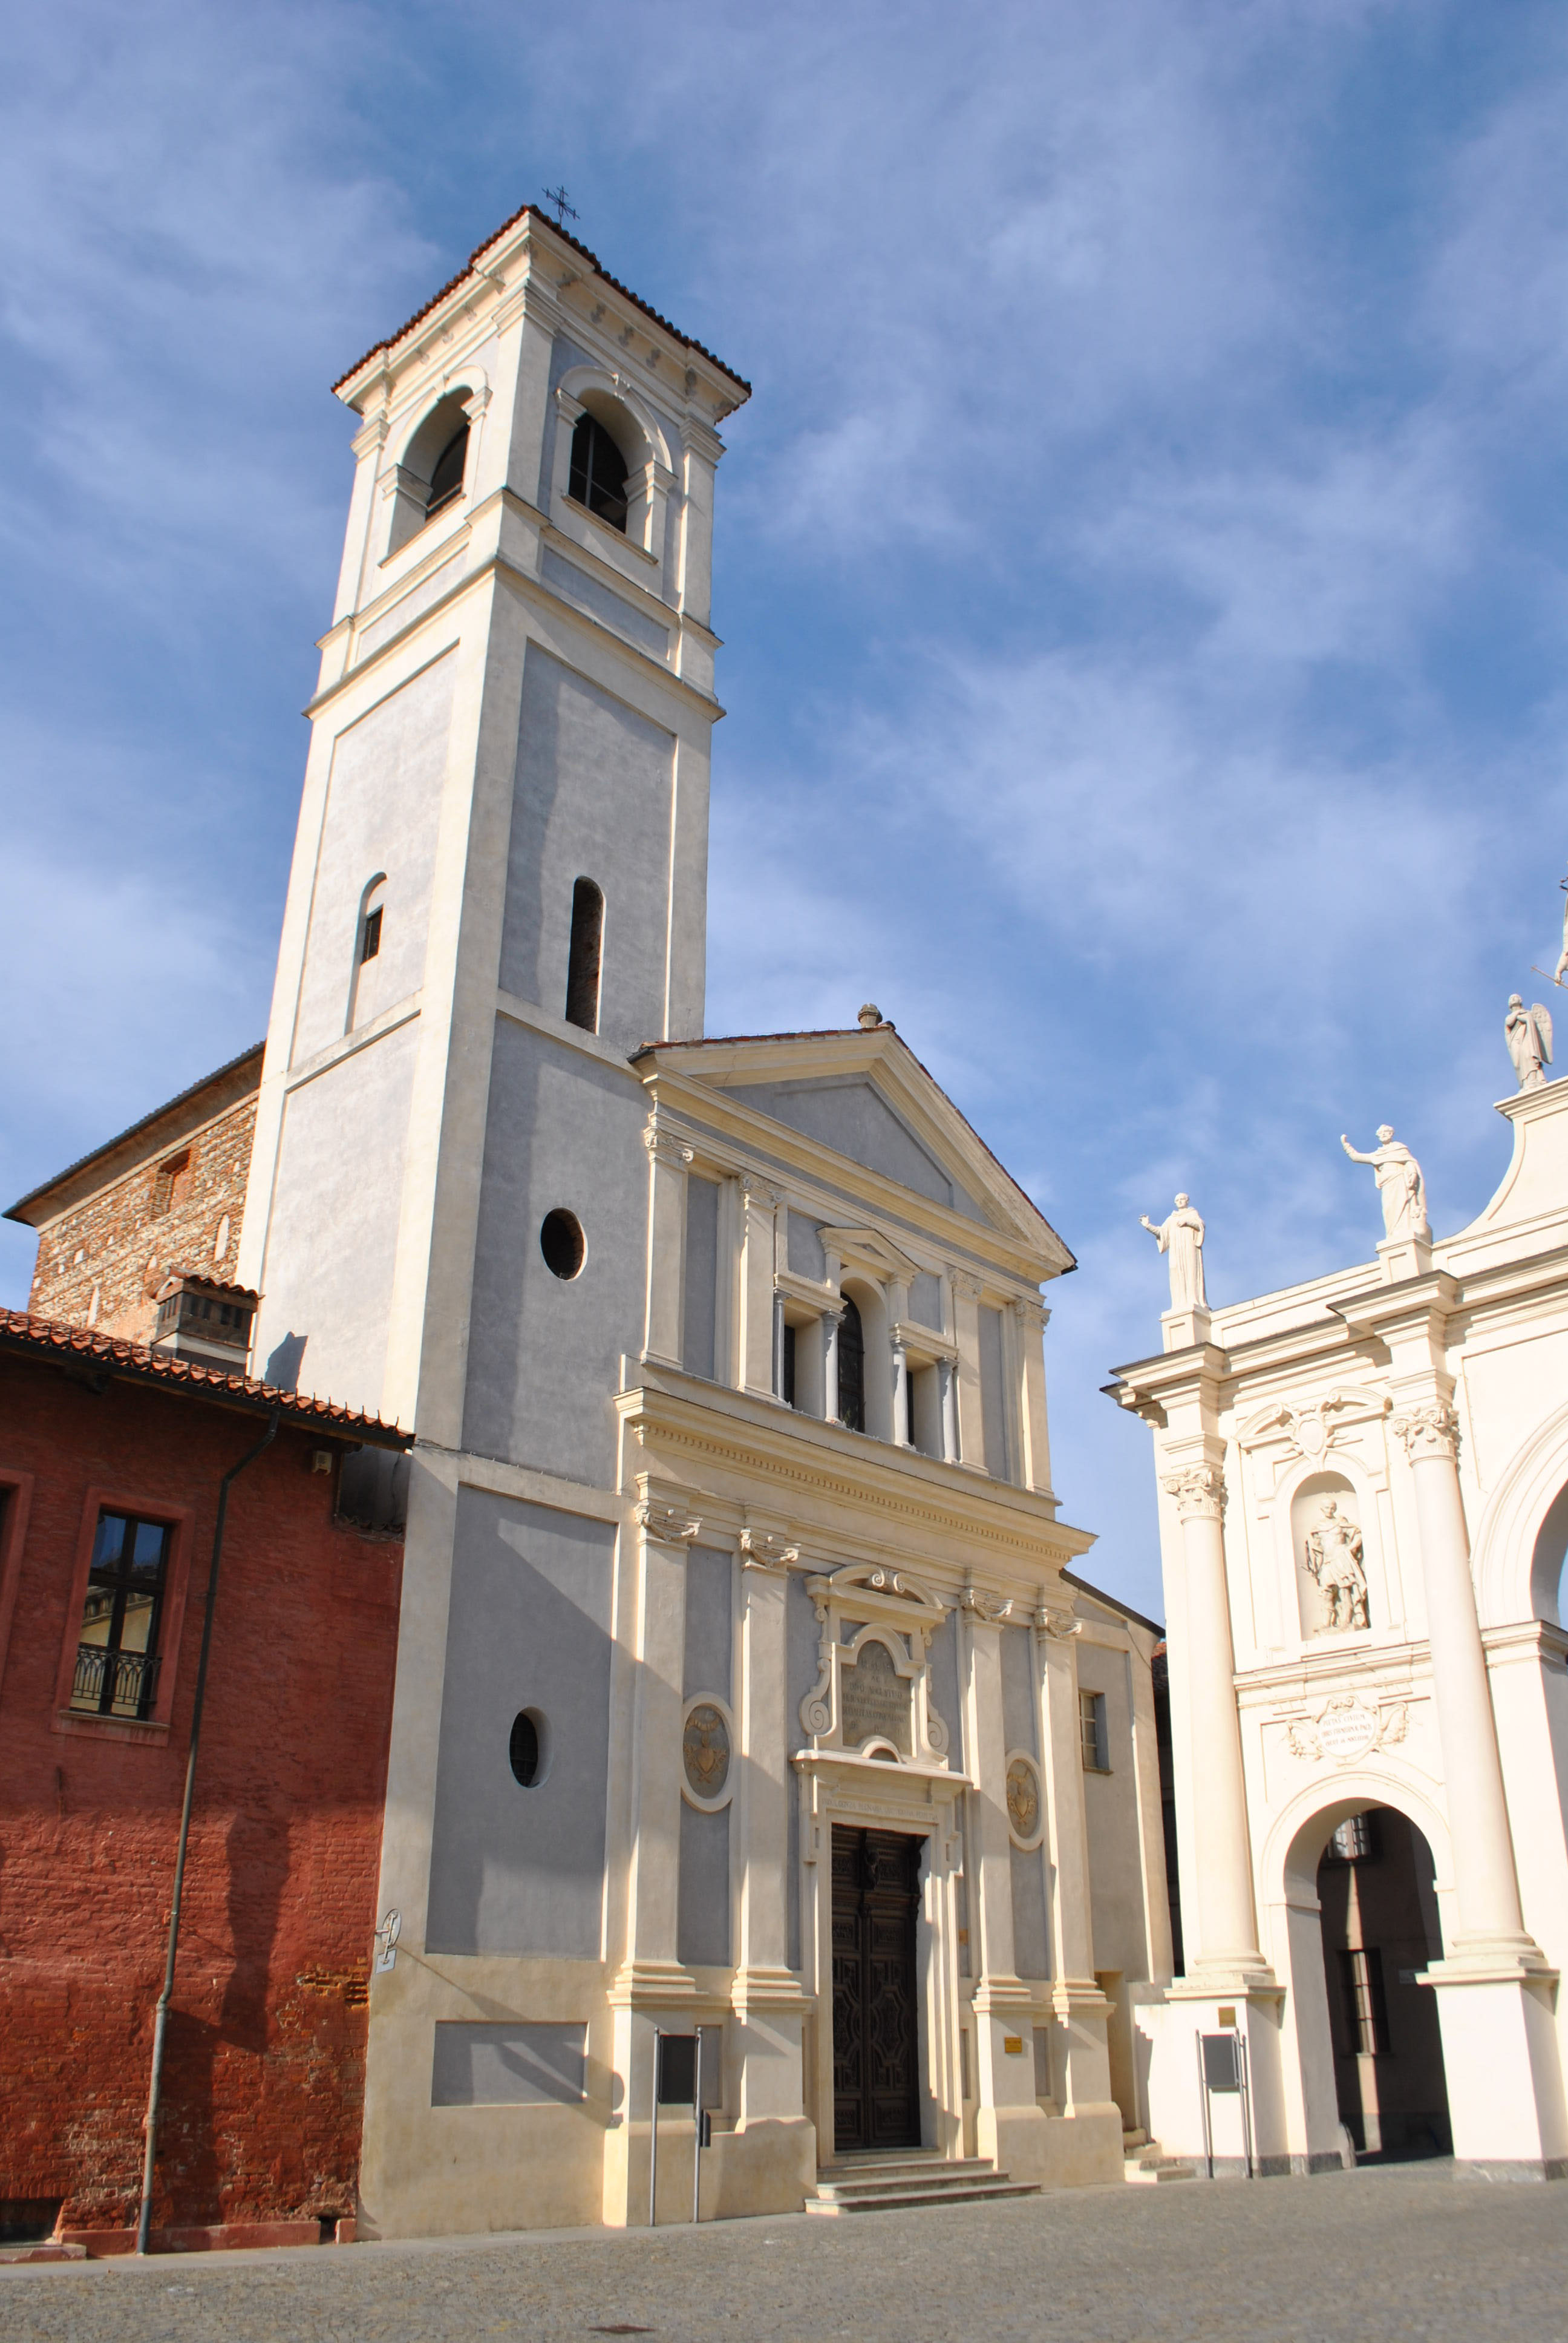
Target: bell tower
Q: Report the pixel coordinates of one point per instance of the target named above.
(499, 876)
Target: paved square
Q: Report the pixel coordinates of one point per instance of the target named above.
(1405, 2252)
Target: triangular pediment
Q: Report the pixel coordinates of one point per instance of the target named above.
(864, 1096)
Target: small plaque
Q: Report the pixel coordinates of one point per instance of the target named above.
(1227, 2017)
(706, 1751)
(876, 1700)
(1013, 2044)
(1022, 1798)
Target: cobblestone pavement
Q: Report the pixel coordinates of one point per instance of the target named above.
(1366, 2255)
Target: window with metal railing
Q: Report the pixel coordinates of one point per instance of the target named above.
(596, 476)
(116, 1671)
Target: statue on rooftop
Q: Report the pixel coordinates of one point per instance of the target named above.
(1528, 1033)
(1399, 1184)
(1181, 1235)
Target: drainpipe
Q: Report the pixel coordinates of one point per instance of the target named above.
(160, 2023)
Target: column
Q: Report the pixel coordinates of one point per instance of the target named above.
(947, 1384)
(966, 1334)
(831, 1322)
(1485, 1887)
(666, 1163)
(900, 1393)
(758, 1203)
(1081, 2007)
(1033, 1317)
(650, 1981)
(1227, 1930)
(1495, 1994)
(770, 2005)
(1008, 2124)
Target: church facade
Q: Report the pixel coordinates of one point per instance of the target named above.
(744, 1681)
(1364, 1505)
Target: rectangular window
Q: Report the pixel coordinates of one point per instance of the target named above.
(170, 1182)
(372, 943)
(1353, 1842)
(1091, 1731)
(787, 1393)
(117, 1670)
(1360, 1969)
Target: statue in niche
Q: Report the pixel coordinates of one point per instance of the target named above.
(1335, 1557)
(1528, 1033)
(1181, 1235)
(1399, 1184)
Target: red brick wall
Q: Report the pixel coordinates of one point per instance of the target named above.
(128, 1245)
(264, 2073)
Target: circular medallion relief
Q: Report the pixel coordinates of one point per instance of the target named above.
(1024, 1800)
(705, 1751)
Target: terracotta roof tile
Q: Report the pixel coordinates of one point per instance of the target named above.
(49, 1338)
(523, 211)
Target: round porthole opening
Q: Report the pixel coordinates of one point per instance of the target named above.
(562, 1242)
(530, 1748)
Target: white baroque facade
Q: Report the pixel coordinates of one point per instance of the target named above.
(1364, 1496)
(742, 1681)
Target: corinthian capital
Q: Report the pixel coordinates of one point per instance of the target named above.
(1429, 1431)
(1198, 1490)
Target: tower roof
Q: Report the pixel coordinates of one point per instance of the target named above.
(536, 220)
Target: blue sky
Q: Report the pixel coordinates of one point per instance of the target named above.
(1140, 563)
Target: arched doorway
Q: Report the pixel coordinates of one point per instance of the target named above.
(1379, 1928)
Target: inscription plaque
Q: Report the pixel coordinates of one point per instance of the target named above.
(876, 1700)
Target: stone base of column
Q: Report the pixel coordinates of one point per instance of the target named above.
(1240, 2001)
(1082, 2012)
(651, 1985)
(1503, 2069)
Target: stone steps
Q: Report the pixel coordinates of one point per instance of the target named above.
(896, 2184)
(1144, 2160)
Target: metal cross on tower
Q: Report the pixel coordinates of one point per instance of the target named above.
(563, 210)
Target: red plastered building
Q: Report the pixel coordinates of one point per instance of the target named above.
(111, 1457)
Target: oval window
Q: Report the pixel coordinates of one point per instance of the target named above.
(530, 1749)
(562, 1242)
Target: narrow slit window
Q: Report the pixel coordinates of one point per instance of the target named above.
(1091, 1728)
(370, 944)
(584, 958)
(1360, 1969)
(787, 1393)
(851, 1369)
